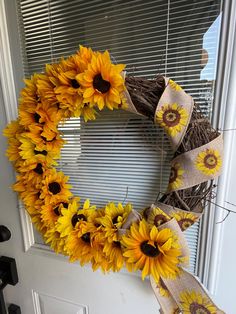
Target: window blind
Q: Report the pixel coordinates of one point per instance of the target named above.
(120, 156)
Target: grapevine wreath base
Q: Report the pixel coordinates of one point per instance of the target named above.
(109, 238)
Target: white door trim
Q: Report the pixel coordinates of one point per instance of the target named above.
(9, 93)
(6, 68)
(224, 118)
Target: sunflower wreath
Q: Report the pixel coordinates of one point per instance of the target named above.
(116, 235)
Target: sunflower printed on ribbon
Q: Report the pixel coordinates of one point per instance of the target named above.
(156, 217)
(193, 302)
(184, 219)
(173, 118)
(209, 161)
(160, 213)
(196, 166)
(176, 176)
(173, 112)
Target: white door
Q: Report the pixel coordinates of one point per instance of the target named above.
(48, 283)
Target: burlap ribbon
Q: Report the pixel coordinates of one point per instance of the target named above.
(183, 294)
(176, 295)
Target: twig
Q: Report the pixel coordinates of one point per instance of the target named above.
(182, 201)
(229, 211)
(230, 203)
(227, 215)
(126, 195)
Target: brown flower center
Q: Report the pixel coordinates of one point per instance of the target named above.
(185, 223)
(196, 308)
(56, 211)
(77, 218)
(159, 220)
(54, 188)
(173, 174)
(86, 237)
(74, 83)
(117, 244)
(100, 84)
(148, 249)
(115, 220)
(171, 117)
(42, 152)
(39, 169)
(36, 117)
(46, 140)
(210, 161)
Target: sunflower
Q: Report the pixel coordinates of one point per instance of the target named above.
(73, 216)
(36, 220)
(88, 112)
(52, 237)
(47, 82)
(13, 129)
(157, 217)
(13, 151)
(113, 219)
(100, 260)
(172, 118)
(176, 176)
(67, 87)
(114, 254)
(208, 161)
(29, 95)
(51, 212)
(83, 57)
(42, 142)
(29, 100)
(28, 149)
(56, 87)
(164, 292)
(102, 83)
(35, 208)
(28, 115)
(54, 187)
(193, 302)
(13, 132)
(48, 117)
(156, 253)
(32, 170)
(28, 193)
(79, 245)
(175, 86)
(184, 219)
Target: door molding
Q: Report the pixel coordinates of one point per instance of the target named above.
(6, 68)
(9, 91)
(223, 118)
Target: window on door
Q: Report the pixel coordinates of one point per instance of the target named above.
(120, 157)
